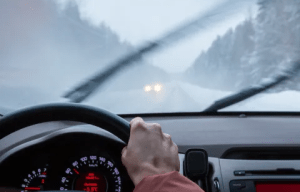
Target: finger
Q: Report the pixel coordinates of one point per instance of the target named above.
(168, 138)
(136, 119)
(155, 127)
(175, 147)
(123, 150)
(137, 123)
(167, 135)
(123, 155)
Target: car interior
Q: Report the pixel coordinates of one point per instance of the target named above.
(50, 146)
(53, 138)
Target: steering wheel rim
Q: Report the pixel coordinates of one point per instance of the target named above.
(68, 112)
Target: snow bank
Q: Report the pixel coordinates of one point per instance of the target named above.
(284, 101)
(175, 96)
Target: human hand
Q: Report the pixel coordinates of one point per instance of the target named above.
(149, 151)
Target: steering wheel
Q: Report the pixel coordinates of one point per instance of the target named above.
(65, 111)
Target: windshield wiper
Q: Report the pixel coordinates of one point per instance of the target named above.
(84, 90)
(254, 90)
(81, 92)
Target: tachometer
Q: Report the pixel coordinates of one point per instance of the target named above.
(35, 180)
(92, 173)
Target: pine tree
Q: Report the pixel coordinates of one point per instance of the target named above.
(276, 38)
(255, 49)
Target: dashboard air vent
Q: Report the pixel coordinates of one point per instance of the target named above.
(263, 153)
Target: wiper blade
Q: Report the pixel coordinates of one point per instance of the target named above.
(84, 90)
(81, 92)
(254, 90)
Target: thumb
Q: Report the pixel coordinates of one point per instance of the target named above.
(123, 153)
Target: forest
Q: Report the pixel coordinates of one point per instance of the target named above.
(256, 49)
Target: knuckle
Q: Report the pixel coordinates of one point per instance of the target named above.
(175, 146)
(167, 135)
(137, 123)
(136, 119)
(156, 126)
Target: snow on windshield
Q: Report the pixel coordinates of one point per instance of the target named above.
(48, 47)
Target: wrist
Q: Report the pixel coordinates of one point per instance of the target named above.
(148, 172)
(140, 176)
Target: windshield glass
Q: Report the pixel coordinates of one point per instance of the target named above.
(47, 48)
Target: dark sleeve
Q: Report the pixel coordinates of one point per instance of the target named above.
(168, 182)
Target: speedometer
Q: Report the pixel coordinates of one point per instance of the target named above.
(92, 173)
(35, 180)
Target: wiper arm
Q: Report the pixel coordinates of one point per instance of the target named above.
(81, 92)
(254, 90)
(84, 90)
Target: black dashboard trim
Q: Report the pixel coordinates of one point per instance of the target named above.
(270, 153)
(241, 114)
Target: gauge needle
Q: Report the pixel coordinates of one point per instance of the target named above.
(32, 188)
(76, 171)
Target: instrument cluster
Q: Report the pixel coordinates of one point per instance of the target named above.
(68, 162)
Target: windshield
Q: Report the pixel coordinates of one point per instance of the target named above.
(49, 47)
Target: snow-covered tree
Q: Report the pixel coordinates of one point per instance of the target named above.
(255, 49)
(276, 37)
(220, 67)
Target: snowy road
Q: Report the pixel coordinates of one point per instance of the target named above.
(174, 96)
(184, 97)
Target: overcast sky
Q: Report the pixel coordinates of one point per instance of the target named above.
(139, 21)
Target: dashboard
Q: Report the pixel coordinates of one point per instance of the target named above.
(246, 153)
(69, 159)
